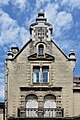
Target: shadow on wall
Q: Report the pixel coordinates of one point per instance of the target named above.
(67, 118)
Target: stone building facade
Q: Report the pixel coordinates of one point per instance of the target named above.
(39, 79)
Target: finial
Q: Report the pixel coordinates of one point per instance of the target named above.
(9, 55)
(14, 49)
(41, 14)
(72, 51)
(72, 55)
(41, 11)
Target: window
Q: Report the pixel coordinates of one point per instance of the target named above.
(50, 106)
(36, 74)
(41, 74)
(45, 75)
(31, 105)
(41, 50)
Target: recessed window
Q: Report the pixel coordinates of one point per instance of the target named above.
(41, 50)
(49, 106)
(36, 74)
(31, 105)
(41, 74)
(45, 73)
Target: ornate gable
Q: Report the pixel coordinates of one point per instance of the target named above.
(46, 57)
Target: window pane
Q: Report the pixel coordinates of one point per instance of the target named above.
(50, 106)
(41, 50)
(45, 73)
(45, 76)
(50, 112)
(36, 77)
(36, 73)
(31, 106)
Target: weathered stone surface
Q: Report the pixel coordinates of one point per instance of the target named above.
(20, 83)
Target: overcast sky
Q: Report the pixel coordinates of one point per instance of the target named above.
(17, 15)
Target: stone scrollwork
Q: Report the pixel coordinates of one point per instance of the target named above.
(41, 32)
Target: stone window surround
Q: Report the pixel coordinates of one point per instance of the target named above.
(41, 65)
(40, 70)
(42, 98)
(37, 48)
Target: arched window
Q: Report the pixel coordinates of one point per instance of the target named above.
(50, 106)
(31, 106)
(41, 50)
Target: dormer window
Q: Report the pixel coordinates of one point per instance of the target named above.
(41, 50)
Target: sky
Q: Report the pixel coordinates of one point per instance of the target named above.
(17, 15)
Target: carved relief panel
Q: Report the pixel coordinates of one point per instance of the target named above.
(41, 33)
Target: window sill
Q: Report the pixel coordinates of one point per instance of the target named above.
(40, 55)
(41, 83)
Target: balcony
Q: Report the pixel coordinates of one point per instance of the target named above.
(40, 113)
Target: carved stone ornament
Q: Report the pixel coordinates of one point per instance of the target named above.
(46, 57)
(41, 33)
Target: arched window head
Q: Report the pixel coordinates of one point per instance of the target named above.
(50, 101)
(41, 50)
(31, 105)
(50, 106)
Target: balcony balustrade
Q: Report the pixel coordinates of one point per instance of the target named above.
(40, 112)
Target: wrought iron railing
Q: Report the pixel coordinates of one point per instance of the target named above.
(40, 112)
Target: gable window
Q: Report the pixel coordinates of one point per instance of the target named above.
(41, 50)
(40, 74)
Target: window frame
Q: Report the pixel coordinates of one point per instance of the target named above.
(40, 74)
(41, 50)
(44, 70)
(50, 103)
(44, 49)
(43, 79)
(36, 68)
(29, 100)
